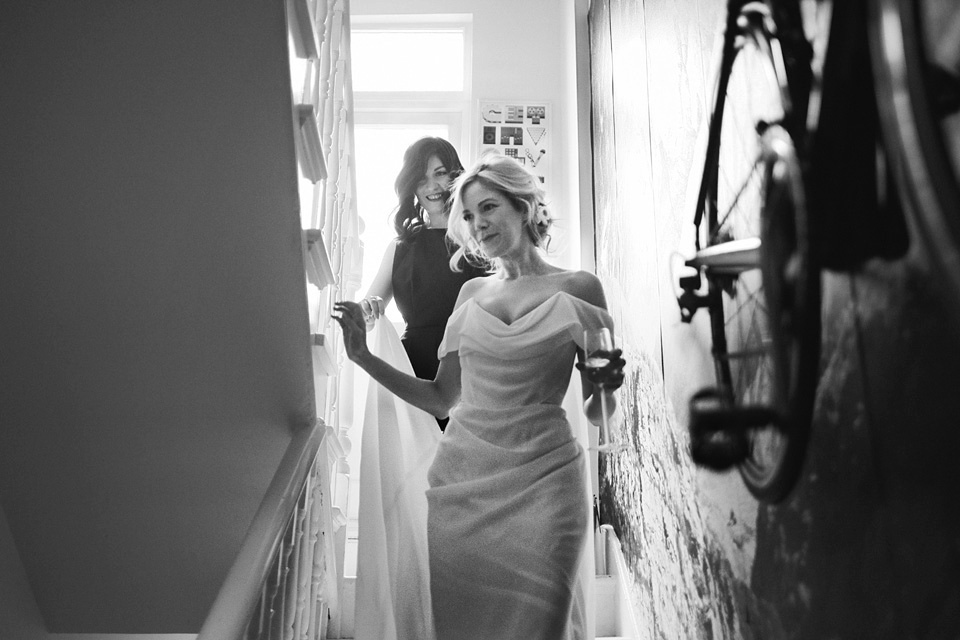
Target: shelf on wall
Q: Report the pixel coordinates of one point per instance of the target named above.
(310, 151)
(319, 271)
(303, 28)
(322, 354)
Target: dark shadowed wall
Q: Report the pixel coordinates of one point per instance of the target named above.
(154, 358)
(867, 544)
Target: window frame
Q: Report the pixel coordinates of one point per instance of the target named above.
(453, 108)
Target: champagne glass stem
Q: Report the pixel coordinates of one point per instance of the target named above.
(604, 426)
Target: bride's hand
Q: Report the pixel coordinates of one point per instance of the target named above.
(609, 377)
(353, 325)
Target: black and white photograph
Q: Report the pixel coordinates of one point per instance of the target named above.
(480, 320)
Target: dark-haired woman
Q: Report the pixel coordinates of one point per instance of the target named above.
(415, 269)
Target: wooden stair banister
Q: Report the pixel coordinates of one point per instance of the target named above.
(246, 583)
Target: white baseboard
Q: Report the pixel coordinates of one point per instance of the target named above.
(616, 567)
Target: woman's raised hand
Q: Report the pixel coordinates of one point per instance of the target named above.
(352, 322)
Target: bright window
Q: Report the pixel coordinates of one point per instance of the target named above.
(408, 60)
(411, 78)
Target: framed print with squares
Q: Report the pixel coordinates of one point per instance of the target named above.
(519, 129)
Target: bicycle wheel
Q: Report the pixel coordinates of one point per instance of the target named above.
(915, 47)
(765, 320)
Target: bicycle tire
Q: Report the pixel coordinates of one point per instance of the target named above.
(921, 126)
(763, 355)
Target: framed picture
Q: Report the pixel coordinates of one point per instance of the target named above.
(518, 129)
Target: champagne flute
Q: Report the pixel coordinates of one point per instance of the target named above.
(597, 345)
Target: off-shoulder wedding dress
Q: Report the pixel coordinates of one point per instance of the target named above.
(508, 547)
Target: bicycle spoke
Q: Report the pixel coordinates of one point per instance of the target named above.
(755, 300)
(750, 372)
(722, 223)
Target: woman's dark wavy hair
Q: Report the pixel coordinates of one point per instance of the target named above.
(408, 218)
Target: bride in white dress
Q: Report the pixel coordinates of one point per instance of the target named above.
(508, 517)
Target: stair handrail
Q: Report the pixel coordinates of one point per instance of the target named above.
(242, 589)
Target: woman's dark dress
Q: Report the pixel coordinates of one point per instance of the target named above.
(425, 289)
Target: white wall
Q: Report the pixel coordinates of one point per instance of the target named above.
(521, 52)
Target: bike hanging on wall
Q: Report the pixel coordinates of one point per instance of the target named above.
(753, 270)
(794, 169)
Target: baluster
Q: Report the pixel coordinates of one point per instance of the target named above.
(273, 594)
(329, 591)
(290, 570)
(260, 615)
(321, 18)
(326, 68)
(276, 630)
(296, 579)
(316, 568)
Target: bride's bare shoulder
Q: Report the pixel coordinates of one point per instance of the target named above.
(586, 286)
(471, 287)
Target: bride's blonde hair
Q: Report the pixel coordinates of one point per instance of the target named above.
(518, 185)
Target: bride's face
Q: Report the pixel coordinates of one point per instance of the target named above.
(432, 190)
(494, 222)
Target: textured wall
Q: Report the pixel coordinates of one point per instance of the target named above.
(866, 546)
